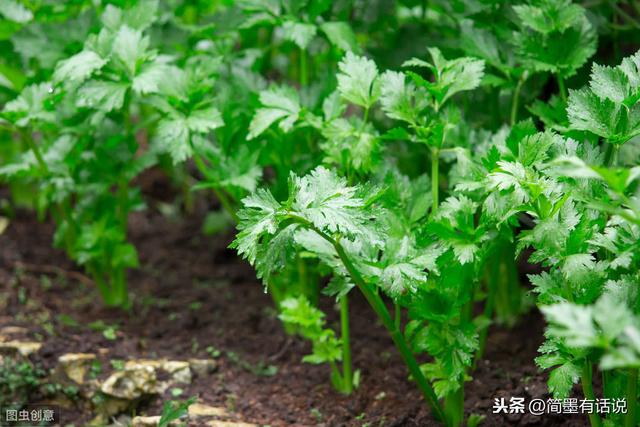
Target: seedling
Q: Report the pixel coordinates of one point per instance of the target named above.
(174, 411)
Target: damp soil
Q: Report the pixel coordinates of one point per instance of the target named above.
(192, 297)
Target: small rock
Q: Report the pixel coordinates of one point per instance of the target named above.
(132, 382)
(216, 423)
(155, 364)
(152, 421)
(180, 371)
(203, 367)
(200, 410)
(24, 348)
(108, 407)
(120, 421)
(145, 421)
(76, 365)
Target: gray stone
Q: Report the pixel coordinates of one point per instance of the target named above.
(203, 367)
(76, 365)
(23, 348)
(131, 383)
(201, 410)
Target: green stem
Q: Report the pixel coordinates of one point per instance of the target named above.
(587, 388)
(120, 296)
(381, 310)
(226, 204)
(126, 113)
(36, 152)
(187, 195)
(398, 315)
(632, 394)
(302, 274)
(365, 117)
(624, 15)
(335, 371)
(482, 340)
(378, 306)
(123, 201)
(504, 292)
(562, 88)
(304, 72)
(222, 198)
(347, 369)
(114, 294)
(454, 407)
(102, 285)
(435, 164)
(612, 154)
(516, 99)
(64, 211)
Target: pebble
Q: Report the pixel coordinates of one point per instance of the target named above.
(24, 348)
(201, 410)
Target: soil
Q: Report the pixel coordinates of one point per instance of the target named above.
(192, 296)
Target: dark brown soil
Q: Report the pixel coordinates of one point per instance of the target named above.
(192, 293)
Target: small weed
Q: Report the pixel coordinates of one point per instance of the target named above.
(315, 412)
(22, 296)
(54, 389)
(231, 402)
(110, 334)
(45, 283)
(67, 320)
(260, 369)
(18, 381)
(95, 370)
(109, 331)
(195, 306)
(98, 399)
(213, 352)
(117, 364)
(151, 301)
(475, 420)
(173, 411)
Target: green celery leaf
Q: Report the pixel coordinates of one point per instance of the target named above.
(129, 48)
(341, 35)
(15, 11)
(281, 103)
(300, 33)
(357, 80)
(30, 105)
(102, 95)
(79, 67)
(401, 100)
(550, 16)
